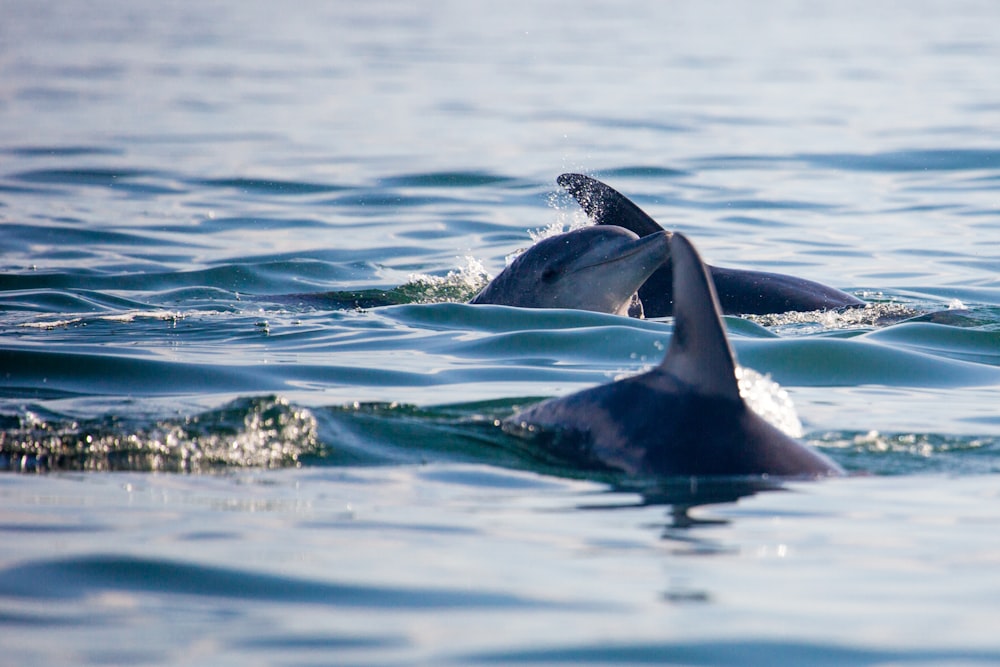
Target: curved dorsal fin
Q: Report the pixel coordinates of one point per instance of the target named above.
(606, 206)
(699, 353)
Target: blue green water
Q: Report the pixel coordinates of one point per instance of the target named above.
(212, 457)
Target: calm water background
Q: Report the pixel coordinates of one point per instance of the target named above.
(187, 192)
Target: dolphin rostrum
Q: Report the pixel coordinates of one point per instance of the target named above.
(596, 268)
(684, 417)
(740, 292)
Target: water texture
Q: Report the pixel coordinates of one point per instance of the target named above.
(236, 242)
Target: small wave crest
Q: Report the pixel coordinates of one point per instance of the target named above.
(457, 286)
(907, 453)
(263, 432)
(872, 314)
(48, 323)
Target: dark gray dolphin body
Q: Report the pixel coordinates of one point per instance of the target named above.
(740, 292)
(684, 417)
(593, 268)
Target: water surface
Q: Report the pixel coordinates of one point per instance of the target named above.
(247, 459)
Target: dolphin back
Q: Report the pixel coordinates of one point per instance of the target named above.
(740, 292)
(684, 417)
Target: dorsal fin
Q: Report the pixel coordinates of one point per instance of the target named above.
(606, 206)
(699, 353)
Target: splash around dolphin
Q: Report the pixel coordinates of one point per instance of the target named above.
(684, 417)
(740, 292)
(597, 268)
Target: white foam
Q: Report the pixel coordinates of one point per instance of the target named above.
(766, 397)
(50, 324)
(132, 315)
(872, 314)
(458, 285)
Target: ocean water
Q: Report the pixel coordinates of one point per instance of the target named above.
(247, 418)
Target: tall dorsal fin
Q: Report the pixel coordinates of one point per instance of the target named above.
(699, 353)
(606, 206)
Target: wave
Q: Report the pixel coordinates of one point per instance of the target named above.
(270, 431)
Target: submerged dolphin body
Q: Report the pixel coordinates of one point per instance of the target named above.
(740, 292)
(684, 417)
(597, 268)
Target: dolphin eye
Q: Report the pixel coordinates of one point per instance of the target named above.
(549, 274)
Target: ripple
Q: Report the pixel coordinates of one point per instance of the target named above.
(957, 159)
(81, 576)
(265, 186)
(447, 179)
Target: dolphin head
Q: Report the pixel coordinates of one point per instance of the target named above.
(597, 268)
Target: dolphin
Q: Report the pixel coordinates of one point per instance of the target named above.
(740, 292)
(684, 417)
(596, 268)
